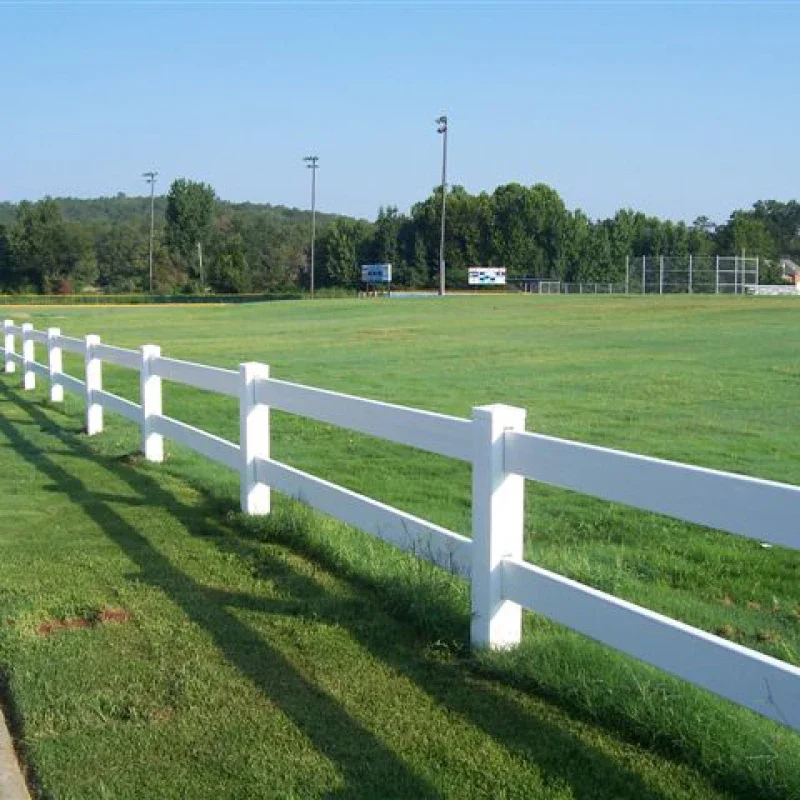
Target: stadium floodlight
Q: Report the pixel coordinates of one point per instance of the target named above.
(441, 127)
(311, 163)
(150, 177)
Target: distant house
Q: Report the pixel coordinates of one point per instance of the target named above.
(790, 270)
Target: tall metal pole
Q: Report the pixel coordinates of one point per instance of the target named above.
(150, 177)
(627, 274)
(441, 123)
(200, 257)
(716, 284)
(690, 273)
(743, 274)
(311, 163)
(644, 275)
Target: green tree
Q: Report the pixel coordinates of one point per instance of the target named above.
(744, 233)
(228, 270)
(6, 264)
(48, 253)
(577, 247)
(385, 239)
(189, 216)
(701, 237)
(341, 248)
(530, 229)
(783, 222)
(123, 257)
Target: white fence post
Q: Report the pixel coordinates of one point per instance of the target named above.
(8, 343)
(150, 396)
(497, 527)
(94, 382)
(55, 365)
(28, 375)
(254, 436)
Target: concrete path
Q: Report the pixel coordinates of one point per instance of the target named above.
(12, 784)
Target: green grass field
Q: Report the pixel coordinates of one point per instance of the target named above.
(294, 657)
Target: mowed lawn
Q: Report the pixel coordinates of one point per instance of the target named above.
(154, 643)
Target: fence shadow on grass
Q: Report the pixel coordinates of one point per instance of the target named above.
(342, 739)
(369, 768)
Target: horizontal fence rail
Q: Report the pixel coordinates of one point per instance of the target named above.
(749, 678)
(39, 369)
(502, 455)
(425, 430)
(71, 345)
(119, 405)
(405, 531)
(212, 379)
(208, 445)
(129, 359)
(71, 384)
(722, 500)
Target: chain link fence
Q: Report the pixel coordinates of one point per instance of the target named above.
(542, 286)
(661, 275)
(691, 274)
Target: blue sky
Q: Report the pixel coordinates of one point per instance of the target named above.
(674, 108)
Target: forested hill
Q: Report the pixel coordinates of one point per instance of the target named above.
(123, 208)
(104, 242)
(68, 244)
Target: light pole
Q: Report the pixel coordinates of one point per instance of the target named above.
(441, 127)
(150, 177)
(311, 163)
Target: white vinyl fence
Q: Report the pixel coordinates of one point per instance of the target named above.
(502, 455)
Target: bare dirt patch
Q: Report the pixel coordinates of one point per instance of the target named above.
(110, 614)
(104, 615)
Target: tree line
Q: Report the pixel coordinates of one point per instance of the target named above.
(202, 243)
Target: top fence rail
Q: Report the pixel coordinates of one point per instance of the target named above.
(425, 430)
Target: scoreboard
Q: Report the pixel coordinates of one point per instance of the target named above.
(487, 276)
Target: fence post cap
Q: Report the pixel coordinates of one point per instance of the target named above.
(51, 332)
(27, 326)
(8, 323)
(500, 409)
(254, 369)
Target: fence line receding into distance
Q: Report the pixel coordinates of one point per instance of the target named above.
(502, 456)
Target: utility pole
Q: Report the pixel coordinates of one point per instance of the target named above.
(200, 258)
(627, 274)
(743, 277)
(150, 177)
(441, 124)
(311, 163)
